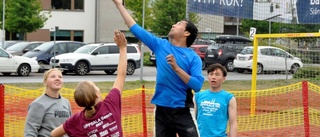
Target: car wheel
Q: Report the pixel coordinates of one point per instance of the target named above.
(109, 72)
(203, 65)
(259, 69)
(240, 70)
(294, 68)
(130, 68)
(24, 70)
(81, 68)
(41, 69)
(6, 74)
(229, 65)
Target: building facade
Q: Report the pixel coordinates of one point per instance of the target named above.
(92, 21)
(89, 21)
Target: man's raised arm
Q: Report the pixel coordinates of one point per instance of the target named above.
(124, 13)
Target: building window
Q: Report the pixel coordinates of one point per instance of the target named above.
(67, 4)
(68, 35)
(78, 5)
(61, 4)
(78, 36)
(63, 35)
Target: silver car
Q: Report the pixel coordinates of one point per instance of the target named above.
(22, 47)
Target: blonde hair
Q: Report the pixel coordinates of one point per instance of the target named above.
(85, 96)
(46, 74)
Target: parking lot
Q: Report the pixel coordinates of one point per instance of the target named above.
(149, 74)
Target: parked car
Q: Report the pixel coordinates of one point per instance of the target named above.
(98, 56)
(23, 47)
(269, 59)
(201, 51)
(224, 50)
(23, 66)
(44, 52)
(153, 58)
(8, 43)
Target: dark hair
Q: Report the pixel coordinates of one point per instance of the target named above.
(190, 27)
(217, 66)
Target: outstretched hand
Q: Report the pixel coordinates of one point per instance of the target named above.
(117, 2)
(119, 39)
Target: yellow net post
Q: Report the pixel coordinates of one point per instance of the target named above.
(254, 76)
(255, 60)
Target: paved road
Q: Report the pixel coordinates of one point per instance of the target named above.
(149, 74)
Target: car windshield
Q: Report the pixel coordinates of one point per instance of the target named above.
(85, 49)
(44, 46)
(17, 47)
(213, 46)
(247, 51)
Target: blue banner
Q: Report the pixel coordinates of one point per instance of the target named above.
(286, 11)
(308, 11)
(230, 8)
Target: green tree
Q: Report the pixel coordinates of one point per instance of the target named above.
(261, 26)
(136, 6)
(23, 16)
(160, 15)
(168, 12)
(277, 27)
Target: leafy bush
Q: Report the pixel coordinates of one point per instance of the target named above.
(307, 72)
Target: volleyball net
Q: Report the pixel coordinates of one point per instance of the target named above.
(291, 110)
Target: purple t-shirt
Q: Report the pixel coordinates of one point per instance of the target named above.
(106, 121)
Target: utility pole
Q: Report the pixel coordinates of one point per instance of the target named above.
(141, 45)
(237, 26)
(187, 10)
(56, 28)
(3, 15)
(271, 10)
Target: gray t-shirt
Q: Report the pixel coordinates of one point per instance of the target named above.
(45, 114)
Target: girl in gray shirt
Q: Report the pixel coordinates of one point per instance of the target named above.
(50, 109)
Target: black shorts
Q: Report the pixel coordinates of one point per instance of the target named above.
(172, 121)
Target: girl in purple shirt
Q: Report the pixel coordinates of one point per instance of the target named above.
(99, 117)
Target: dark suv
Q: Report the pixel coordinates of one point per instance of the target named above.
(224, 50)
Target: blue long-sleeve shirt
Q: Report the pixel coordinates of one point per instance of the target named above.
(170, 90)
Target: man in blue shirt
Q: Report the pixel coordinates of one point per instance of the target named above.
(179, 71)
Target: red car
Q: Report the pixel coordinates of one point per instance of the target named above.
(201, 51)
